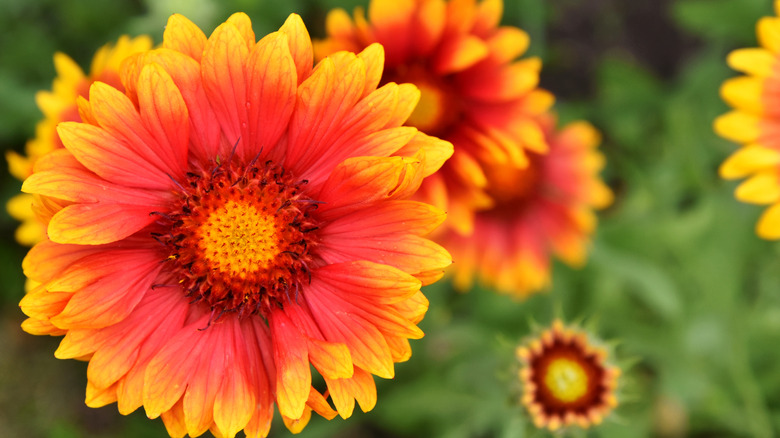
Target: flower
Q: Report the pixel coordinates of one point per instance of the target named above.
(59, 105)
(566, 380)
(473, 92)
(230, 220)
(755, 124)
(544, 208)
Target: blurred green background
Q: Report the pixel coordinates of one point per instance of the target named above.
(677, 279)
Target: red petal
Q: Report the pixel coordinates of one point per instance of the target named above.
(224, 63)
(271, 94)
(119, 117)
(341, 322)
(350, 299)
(183, 35)
(361, 182)
(110, 157)
(381, 284)
(94, 224)
(409, 253)
(115, 282)
(259, 354)
(244, 26)
(186, 74)
(59, 175)
(331, 359)
(395, 216)
(300, 45)
(392, 21)
(293, 377)
(236, 402)
(164, 113)
(47, 259)
(458, 54)
(325, 98)
(359, 387)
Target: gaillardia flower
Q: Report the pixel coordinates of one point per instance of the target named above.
(545, 208)
(473, 91)
(566, 380)
(755, 123)
(59, 105)
(231, 219)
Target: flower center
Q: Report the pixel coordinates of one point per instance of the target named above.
(438, 109)
(566, 380)
(509, 185)
(242, 237)
(429, 110)
(238, 238)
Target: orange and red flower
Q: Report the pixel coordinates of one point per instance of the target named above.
(231, 219)
(755, 122)
(59, 105)
(566, 380)
(545, 208)
(473, 91)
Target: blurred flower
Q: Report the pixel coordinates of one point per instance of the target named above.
(544, 208)
(755, 122)
(565, 379)
(230, 220)
(473, 92)
(60, 105)
(671, 417)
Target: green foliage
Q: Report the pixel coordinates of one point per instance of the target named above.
(721, 20)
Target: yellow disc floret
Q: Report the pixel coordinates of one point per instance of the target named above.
(239, 238)
(429, 110)
(566, 380)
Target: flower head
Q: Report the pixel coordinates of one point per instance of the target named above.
(231, 219)
(474, 93)
(545, 208)
(565, 379)
(60, 105)
(754, 123)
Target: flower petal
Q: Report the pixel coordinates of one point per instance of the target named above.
(164, 113)
(323, 103)
(300, 45)
(61, 176)
(224, 63)
(392, 27)
(395, 216)
(271, 94)
(458, 54)
(293, 378)
(94, 224)
(110, 158)
(359, 387)
(381, 284)
(340, 322)
(235, 403)
(186, 75)
(363, 181)
(184, 36)
(116, 281)
(119, 118)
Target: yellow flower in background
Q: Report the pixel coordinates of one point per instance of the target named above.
(474, 93)
(543, 209)
(60, 105)
(566, 380)
(755, 123)
(232, 220)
